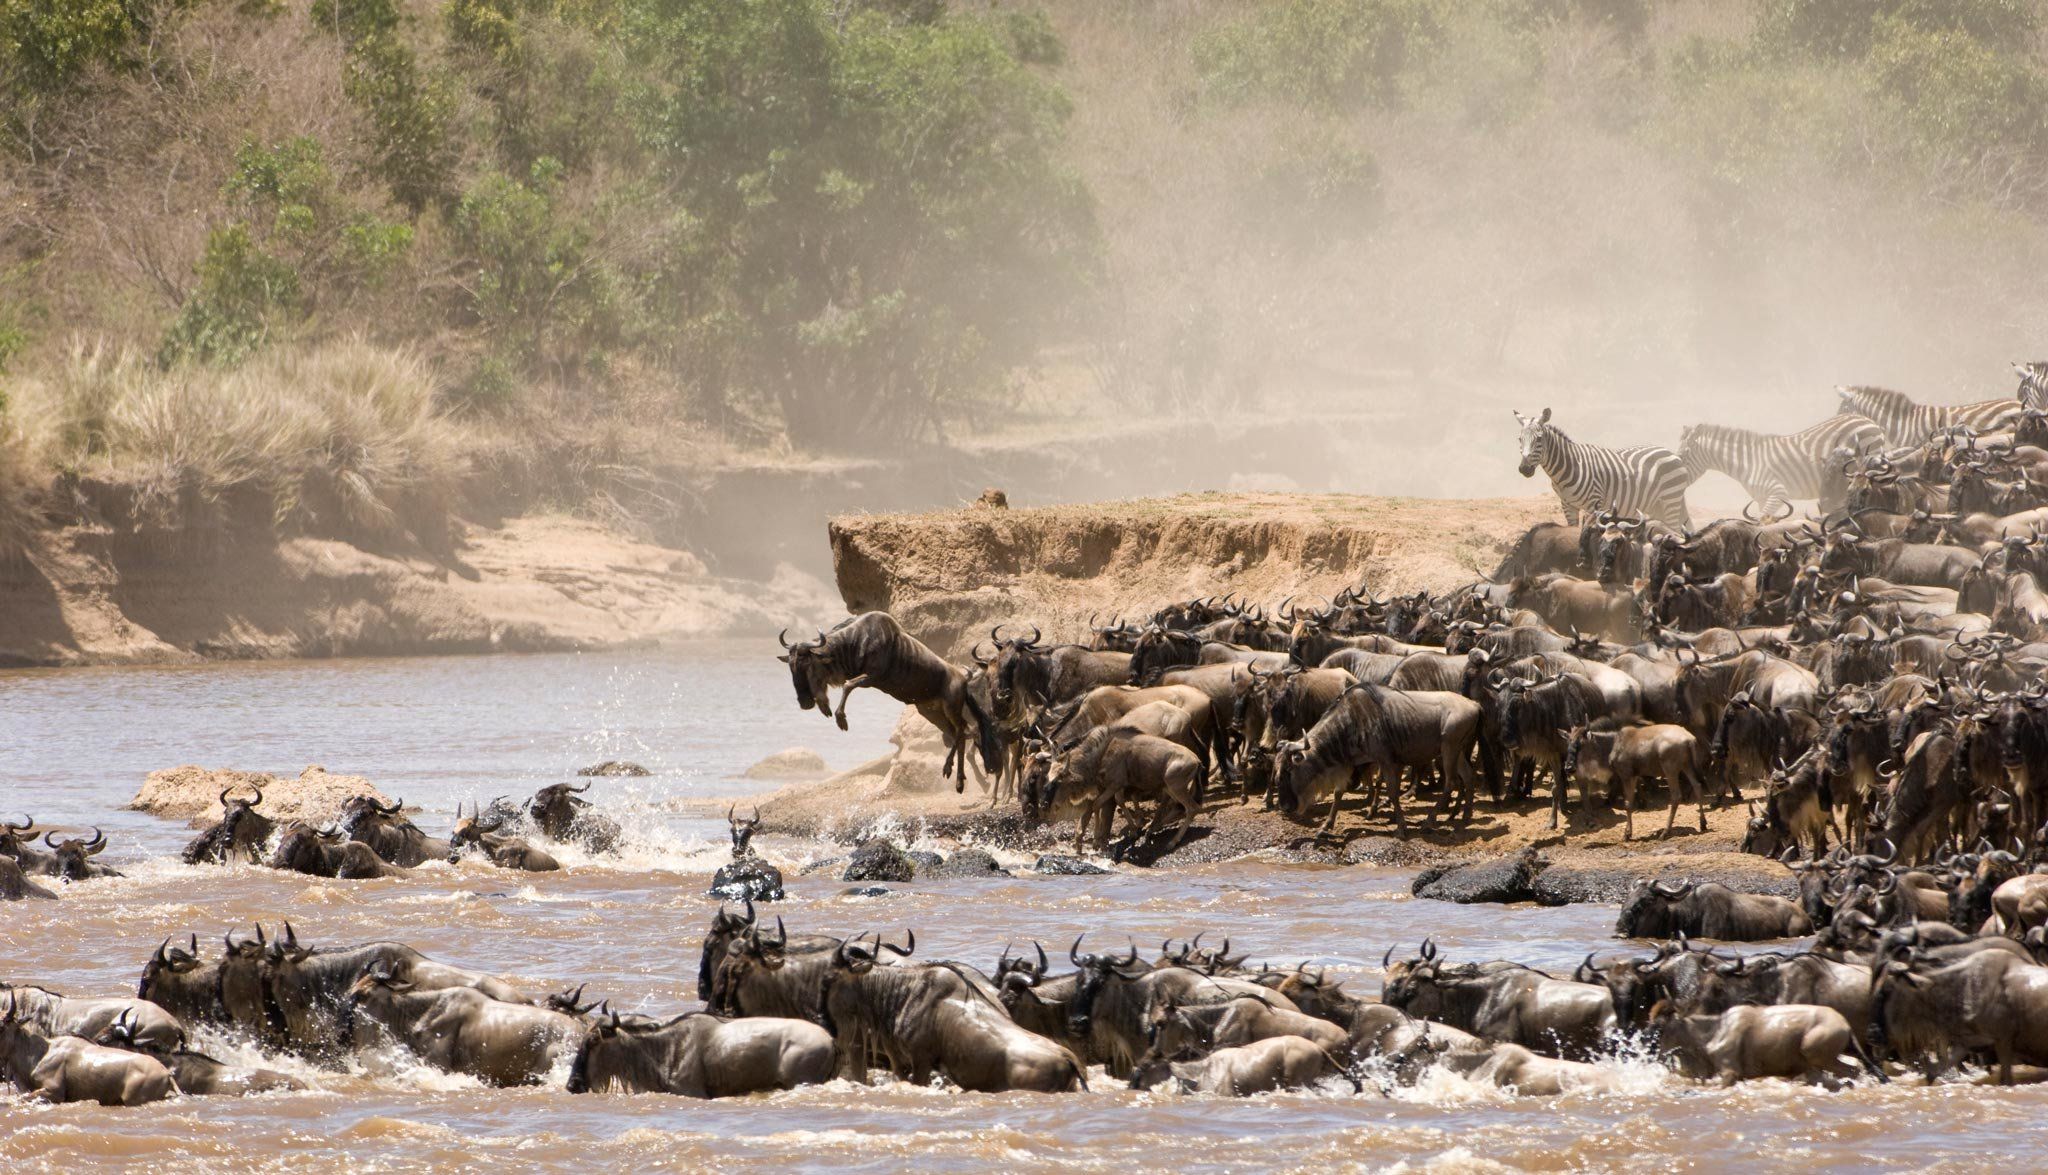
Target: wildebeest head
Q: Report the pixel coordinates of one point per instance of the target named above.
(1010, 668)
(75, 856)
(13, 837)
(1648, 911)
(1535, 437)
(1096, 970)
(165, 962)
(362, 816)
(809, 672)
(742, 829)
(241, 833)
(471, 830)
(1012, 973)
(726, 929)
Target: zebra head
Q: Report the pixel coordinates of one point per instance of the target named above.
(2033, 384)
(1534, 436)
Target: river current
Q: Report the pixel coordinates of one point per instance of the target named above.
(75, 745)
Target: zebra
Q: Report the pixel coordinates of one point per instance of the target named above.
(1910, 424)
(1646, 481)
(1777, 467)
(2033, 391)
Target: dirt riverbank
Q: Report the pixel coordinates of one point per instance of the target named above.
(950, 575)
(86, 595)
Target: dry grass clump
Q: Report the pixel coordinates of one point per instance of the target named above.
(344, 438)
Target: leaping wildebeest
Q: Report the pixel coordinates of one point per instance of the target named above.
(872, 651)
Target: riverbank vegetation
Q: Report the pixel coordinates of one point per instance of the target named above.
(349, 254)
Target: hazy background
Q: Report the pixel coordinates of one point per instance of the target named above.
(373, 260)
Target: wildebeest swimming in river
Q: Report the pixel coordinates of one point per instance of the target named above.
(872, 650)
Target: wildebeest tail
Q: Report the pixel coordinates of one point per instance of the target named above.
(1869, 1062)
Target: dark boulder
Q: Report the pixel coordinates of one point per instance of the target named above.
(878, 860)
(866, 891)
(968, 863)
(749, 878)
(1504, 879)
(1060, 865)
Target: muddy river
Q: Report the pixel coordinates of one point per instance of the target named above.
(74, 745)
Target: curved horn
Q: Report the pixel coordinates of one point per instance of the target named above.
(783, 638)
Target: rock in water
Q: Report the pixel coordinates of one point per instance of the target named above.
(1061, 865)
(750, 877)
(878, 860)
(795, 763)
(1505, 879)
(614, 767)
(968, 863)
(866, 891)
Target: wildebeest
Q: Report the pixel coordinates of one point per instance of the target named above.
(701, 1055)
(1511, 1066)
(306, 988)
(1985, 1000)
(1179, 1034)
(935, 1018)
(1388, 731)
(15, 885)
(390, 834)
(194, 1072)
(462, 1030)
(872, 651)
(1508, 1003)
(743, 972)
(1743, 1043)
(1708, 910)
(1621, 755)
(302, 848)
(506, 852)
(748, 876)
(54, 1014)
(1114, 997)
(562, 814)
(69, 1068)
(1112, 768)
(1280, 1062)
(74, 856)
(241, 834)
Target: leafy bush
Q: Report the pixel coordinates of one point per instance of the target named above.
(1850, 28)
(241, 290)
(1965, 101)
(1335, 54)
(43, 43)
(887, 226)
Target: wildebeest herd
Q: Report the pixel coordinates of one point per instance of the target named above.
(784, 1010)
(1865, 683)
(1867, 675)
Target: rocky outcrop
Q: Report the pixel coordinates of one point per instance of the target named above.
(950, 575)
(193, 793)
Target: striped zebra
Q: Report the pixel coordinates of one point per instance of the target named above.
(1908, 423)
(1777, 467)
(1648, 482)
(2033, 391)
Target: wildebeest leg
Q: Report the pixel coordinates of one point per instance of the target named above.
(1329, 827)
(1626, 781)
(1392, 782)
(844, 690)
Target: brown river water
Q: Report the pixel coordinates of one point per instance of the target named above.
(75, 744)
